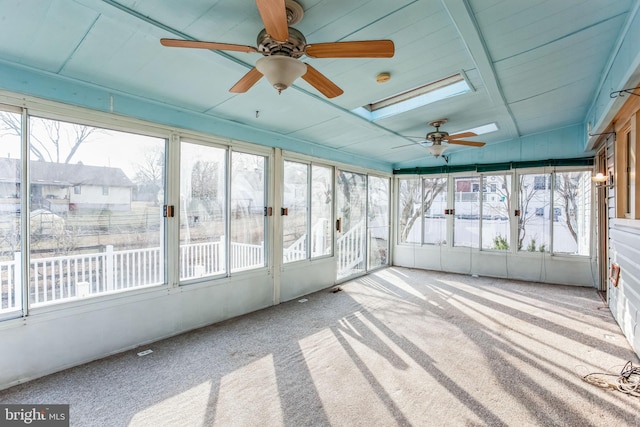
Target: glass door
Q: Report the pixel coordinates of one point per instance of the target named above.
(378, 222)
(351, 223)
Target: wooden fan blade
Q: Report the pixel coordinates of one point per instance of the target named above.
(462, 135)
(320, 82)
(469, 143)
(274, 18)
(361, 49)
(247, 81)
(207, 45)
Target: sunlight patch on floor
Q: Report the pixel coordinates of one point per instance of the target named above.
(186, 408)
(249, 396)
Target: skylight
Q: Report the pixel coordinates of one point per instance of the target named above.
(415, 98)
(481, 130)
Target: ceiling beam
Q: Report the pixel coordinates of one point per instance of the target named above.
(463, 19)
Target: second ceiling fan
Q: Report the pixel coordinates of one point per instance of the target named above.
(438, 136)
(283, 46)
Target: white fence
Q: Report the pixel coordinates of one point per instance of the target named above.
(53, 279)
(298, 250)
(350, 249)
(75, 276)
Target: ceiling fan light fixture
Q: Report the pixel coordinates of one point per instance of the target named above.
(436, 150)
(281, 71)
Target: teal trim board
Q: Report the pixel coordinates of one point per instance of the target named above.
(495, 167)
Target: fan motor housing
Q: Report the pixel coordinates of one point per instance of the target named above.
(293, 47)
(437, 136)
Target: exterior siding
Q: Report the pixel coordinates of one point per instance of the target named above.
(624, 300)
(624, 250)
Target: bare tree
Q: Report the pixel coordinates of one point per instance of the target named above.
(566, 189)
(150, 173)
(51, 140)
(414, 201)
(204, 177)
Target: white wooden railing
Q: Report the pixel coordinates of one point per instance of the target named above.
(76, 276)
(350, 249)
(298, 249)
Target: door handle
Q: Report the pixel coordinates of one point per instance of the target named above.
(339, 225)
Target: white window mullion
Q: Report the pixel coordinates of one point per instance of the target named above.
(25, 229)
(169, 239)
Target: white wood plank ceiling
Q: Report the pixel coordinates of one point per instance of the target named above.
(534, 65)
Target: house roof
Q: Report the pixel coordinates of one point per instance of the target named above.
(63, 174)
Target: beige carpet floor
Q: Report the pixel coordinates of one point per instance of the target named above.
(398, 347)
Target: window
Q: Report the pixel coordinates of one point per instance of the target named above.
(467, 212)
(105, 190)
(108, 245)
(496, 200)
(247, 222)
(434, 223)
(572, 213)
(77, 189)
(321, 210)
(409, 210)
(540, 182)
(295, 205)
(378, 221)
(308, 193)
(534, 204)
(628, 175)
(554, 208)
(10, 223)
(203, 211)
(626, 164)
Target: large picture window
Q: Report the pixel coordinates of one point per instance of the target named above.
(90, 243)
(552, 211)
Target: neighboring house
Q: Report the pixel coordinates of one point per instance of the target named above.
(61, 187)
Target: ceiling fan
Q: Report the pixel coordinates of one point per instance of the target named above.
(437, 137)
(283, 46)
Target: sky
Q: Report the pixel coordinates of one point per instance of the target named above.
(104, 148)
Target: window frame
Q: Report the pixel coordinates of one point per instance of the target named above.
(626, 169)
(291, 157)
(513, 175)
